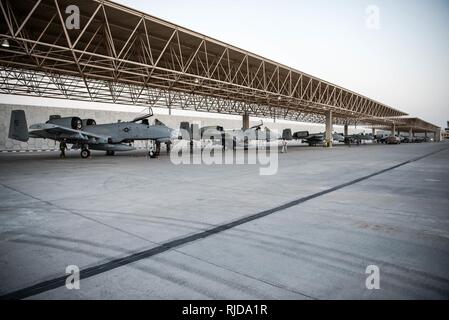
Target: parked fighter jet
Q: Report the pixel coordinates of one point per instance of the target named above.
(359, 137)
(315, 139)
(87, 135)
(241, 136)
(234, 137)
(338, 137)
(381, 137)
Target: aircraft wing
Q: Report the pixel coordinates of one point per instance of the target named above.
(43, 130)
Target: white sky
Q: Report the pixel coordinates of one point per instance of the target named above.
(403, 64)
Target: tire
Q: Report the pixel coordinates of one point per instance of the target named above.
(85, 153)
(152, 154)
(168, 145)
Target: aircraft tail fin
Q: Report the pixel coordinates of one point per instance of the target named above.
(184, 131)
(257, 126)
(287, 134)
(18, 128)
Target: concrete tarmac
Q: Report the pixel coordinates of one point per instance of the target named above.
(140, 228)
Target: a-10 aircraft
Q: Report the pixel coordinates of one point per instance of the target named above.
(359, 137)
(316, 138)
(255, 133)
(232, 137)
(87, 135)
(319, 138)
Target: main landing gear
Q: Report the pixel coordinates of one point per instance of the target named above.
(85, 153)
(154, 149)
(168, 145)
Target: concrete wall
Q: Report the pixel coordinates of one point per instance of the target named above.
(39, 114)
(36, 114)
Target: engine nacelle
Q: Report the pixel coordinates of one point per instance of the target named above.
(300, 135)
(89, 122)
(69, 122)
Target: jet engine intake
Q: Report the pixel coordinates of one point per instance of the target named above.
(89, 122)
(70, 122)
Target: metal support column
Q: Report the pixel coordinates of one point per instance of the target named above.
(438, 135)
(245, 127)
(329, 128)
(245, 119)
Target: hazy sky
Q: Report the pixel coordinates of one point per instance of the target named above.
(404, 63)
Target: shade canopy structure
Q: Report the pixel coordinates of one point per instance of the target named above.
(121, 55)
(417, 125)
(445, 133)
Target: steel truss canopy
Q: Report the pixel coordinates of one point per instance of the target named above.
(405, 124)
(121, 55)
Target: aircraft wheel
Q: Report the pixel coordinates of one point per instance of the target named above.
(110, 153)
(85, 153)
(152, 154)
(168, 145)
